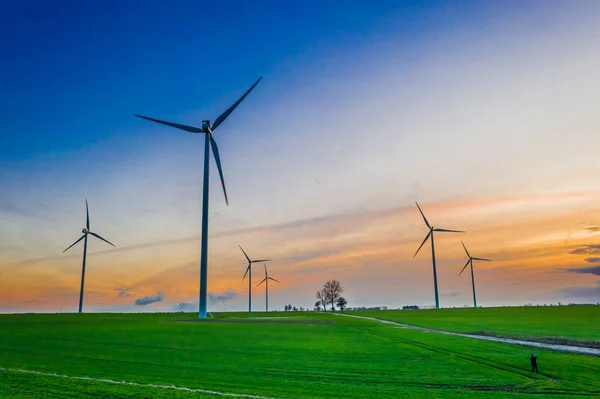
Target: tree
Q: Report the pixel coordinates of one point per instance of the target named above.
(318, 306)
(341, 302)
(332, 290)
(323, 299)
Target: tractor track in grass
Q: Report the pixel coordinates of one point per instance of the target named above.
(77, 357)
(375, 380)
(505, 367)
(137, 384)
(582, 350)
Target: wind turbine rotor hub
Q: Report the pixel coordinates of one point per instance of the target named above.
(206, 127)
(85, 231)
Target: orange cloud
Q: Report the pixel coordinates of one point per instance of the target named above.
(528, 238)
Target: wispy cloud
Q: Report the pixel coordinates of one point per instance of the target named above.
(339, 225)
(592, 260)
(593, 249)
(150, 299)
(186, 307)
(123, 291)
(223, 297)
(595, 270)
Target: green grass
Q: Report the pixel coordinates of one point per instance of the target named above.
(569, 322)
(320, 356)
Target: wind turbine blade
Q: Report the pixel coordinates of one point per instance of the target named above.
(260, 260)
(424, 218)
(484, 259)
(463, 269)
(271, 278)
(463, 244)
(87, 214)
(448, 231)
(245, 274)
(74, 243)
(263, 280)
(190, 129)
(229, 110)
(265, 265)
(423, 243)
(215, 150)
(244, 253)
(97, 236)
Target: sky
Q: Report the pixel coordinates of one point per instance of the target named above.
(483, 112)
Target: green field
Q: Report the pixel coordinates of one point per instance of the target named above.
(307, 356)
(576, 323)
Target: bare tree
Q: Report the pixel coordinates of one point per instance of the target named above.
(341, 303)
(332, 291)
(318, 306)
(321, 296)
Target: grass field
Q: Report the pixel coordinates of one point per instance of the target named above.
(306, 356)
(573, 323)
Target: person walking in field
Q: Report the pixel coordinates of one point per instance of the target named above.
(533, 360)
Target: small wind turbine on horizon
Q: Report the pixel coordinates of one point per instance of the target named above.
(209, 142)
(249, 270)
(470, 261)
(266, 281)
(86, 231)
(430, 234)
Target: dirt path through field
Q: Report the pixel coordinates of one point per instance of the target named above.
(564, 348)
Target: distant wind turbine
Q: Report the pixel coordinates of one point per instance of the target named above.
(266, 281)
(85, 231)
(209, 142)
(470, 261)
(430, 234)
(249, 270)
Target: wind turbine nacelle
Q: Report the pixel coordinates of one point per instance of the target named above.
(84, 230)
(206, 126)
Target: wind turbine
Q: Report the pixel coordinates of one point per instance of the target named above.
(249, 269)
(86, 231)
(266, 281)
(470, 261)
(209, 142)
(430, 234)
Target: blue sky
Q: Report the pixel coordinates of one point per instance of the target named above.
(75, 71)
(364, 108)
(82, 68)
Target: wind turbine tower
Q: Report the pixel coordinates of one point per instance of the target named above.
(209, 142)
(249, 270)
(470, 262)
(86, 231)
(430, 234)
(266, 281)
